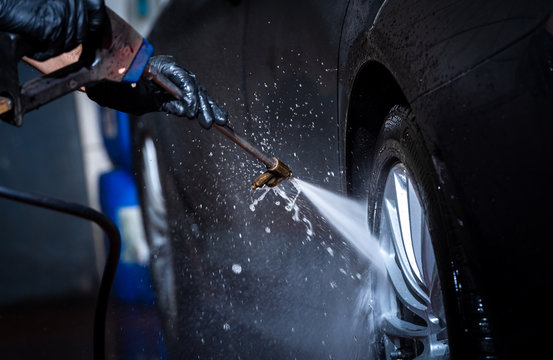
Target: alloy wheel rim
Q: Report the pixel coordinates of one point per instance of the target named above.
(412, 316)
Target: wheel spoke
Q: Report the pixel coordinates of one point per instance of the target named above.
(402, 198)
(403, 291)
(393, 326)
(395, 191)
(416, 216)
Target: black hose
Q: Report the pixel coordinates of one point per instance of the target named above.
(110, 267)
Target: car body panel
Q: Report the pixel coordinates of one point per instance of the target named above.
(418, 40)
(291, 80)
(494, 124)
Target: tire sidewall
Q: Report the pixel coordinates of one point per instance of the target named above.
(401, 141)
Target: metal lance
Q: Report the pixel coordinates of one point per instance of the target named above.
(276, 172)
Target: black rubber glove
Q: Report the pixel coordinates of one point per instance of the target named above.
(54, 26)
(145, 96)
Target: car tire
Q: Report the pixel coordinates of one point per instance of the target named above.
(433, 308)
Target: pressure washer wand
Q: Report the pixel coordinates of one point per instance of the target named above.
(244, 144)
(276, 172)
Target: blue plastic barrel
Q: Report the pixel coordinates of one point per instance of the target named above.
(115, 127)
(119, 201)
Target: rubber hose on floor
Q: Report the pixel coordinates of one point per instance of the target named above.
(112, 260)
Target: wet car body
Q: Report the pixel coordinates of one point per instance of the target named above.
(312, 82)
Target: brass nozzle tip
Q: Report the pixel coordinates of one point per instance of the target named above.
(5, 105)
(273, 176)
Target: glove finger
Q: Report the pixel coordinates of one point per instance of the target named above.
(205, 118)
(175, 107)
(56, 28)
(78, 30)
(96, 12)
(187, 83)
(70, 26)
(191, 96)
(185, 80)
(220, 116)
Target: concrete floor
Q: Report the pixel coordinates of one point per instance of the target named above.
(62, 329)
(54, 329)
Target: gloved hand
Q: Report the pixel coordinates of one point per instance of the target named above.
(145, 96)
(54, 26)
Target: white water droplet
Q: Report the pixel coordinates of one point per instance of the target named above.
(256, 201)
(236, 268)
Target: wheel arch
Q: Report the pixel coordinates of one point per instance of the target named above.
(374, 92)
